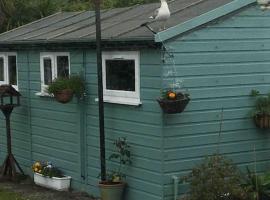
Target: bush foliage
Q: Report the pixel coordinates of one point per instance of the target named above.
(216, 178)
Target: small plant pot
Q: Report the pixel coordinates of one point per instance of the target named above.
(60, 184)
(64, 96)
(173, 106)
(262, 121)
(109, 191)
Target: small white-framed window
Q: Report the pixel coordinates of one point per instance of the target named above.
(121, 77)
(9, 69)
(52, 66)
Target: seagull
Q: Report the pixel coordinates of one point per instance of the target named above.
(161, 14)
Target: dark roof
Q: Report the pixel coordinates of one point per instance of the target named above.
(8, 90)
(121, 24)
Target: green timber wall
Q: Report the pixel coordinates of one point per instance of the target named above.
(68, 134)
(140, 125)
(219, 64)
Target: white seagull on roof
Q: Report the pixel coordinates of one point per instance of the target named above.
(163, 13)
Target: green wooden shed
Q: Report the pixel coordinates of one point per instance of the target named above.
(218, 50)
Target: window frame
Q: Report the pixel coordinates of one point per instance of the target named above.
(120, 96)
(53, 56)
(5, 56)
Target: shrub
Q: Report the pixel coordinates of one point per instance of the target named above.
(215, 179)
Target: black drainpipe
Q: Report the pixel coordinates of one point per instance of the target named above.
(100, 92)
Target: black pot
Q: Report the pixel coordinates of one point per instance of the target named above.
(173, 106)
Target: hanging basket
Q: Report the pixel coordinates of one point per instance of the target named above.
(173, 106)
(262, 121)
(64, 96)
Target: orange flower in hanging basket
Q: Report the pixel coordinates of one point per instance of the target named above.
(171, 95)
(173, 102)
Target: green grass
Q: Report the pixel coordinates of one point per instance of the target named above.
(6, 195)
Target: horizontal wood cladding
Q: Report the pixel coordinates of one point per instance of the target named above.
(68, 134)
(219, 64)
(141, 125)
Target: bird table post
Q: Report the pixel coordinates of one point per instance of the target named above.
(7, 92)
(100, 92)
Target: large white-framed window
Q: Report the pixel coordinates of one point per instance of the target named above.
(9, 69)
(121, 77)
(52, 66)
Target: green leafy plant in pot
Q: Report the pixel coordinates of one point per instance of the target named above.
(258, 185)
(113, 187)
(261, 113)
(63, 89)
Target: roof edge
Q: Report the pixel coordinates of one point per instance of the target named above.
(202, 19)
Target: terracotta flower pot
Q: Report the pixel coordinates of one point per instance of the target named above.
(111, 191)
(262, 121)
(64, 96)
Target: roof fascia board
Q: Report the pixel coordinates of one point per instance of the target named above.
(202, 19)
(79, 45)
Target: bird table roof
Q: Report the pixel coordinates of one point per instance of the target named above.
(8, 90)
(120, 24)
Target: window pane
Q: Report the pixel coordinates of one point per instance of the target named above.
(12, 70)
(47, 62)
(62, 66)
(2, 69)
(120, 75)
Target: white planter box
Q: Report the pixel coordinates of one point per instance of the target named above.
(60, 184)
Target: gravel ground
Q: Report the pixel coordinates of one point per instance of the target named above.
(30, 191)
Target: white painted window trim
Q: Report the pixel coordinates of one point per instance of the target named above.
(5, 55)
(53, 56)
(119, 96)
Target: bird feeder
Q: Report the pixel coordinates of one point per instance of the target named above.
(9, 98)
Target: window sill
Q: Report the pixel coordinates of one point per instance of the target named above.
(43, 94)
(120, 100)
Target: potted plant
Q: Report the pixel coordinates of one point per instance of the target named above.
(261, 113)
(49, 176)
(64, 88)
(258, 185)
(173, 102)
(113, 187)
